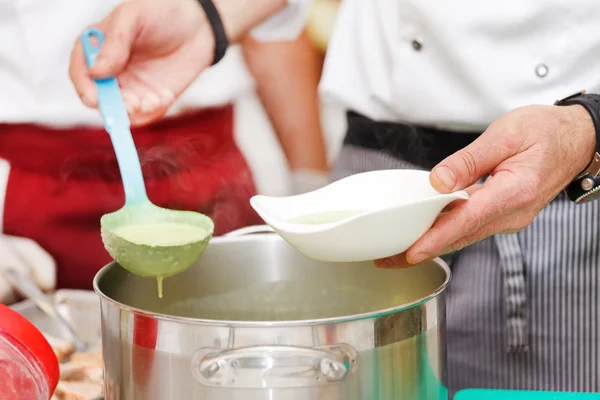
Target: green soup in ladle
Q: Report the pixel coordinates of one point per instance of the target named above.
(145, 239)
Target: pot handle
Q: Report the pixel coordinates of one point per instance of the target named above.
(249, 230)
(274, 366)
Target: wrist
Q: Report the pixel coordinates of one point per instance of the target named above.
(584, 133)
(583, 127)
(220, 42)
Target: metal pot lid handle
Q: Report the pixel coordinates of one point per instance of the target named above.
(274, 366)
(250, 230)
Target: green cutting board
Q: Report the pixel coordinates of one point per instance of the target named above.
(479, 394)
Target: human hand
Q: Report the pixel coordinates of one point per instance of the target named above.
(307, 180)
(26, 257)
(531, 154)
(156, 48)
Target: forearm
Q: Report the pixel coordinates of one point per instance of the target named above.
(287, 76)
(240, 16)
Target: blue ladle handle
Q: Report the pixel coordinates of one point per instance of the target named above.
(116, 122)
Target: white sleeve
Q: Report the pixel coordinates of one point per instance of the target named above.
(286, 24)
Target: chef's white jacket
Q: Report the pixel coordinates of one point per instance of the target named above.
(460, 64)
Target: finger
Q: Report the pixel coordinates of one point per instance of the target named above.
(502, 226)
(131, 101)
(497, 198)
(145, 107)
(80, 76)
(470, 191)
(486, 231)
(150, 103)
(397, 261)
(144, 102)
(142, 119)
(470, 164)
(121, 29)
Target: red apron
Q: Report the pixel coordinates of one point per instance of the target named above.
(62, 181)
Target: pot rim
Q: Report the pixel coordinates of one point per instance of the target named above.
(283, 323)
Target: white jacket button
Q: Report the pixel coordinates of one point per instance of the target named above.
(541, 70)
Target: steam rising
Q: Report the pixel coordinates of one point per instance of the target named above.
(203, 173)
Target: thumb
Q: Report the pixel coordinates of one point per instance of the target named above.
(120, 28)
(465, 167)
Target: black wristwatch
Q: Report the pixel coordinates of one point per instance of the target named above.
(586, 186)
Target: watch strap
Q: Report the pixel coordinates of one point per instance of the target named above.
(216, 24)
(583, 189)
(586, 186)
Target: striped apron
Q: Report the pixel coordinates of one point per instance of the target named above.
(523, 309)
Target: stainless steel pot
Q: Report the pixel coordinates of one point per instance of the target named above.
(255, 319)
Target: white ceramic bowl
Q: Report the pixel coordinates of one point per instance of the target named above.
(388, 211)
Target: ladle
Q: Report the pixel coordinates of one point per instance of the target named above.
(154, 252)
